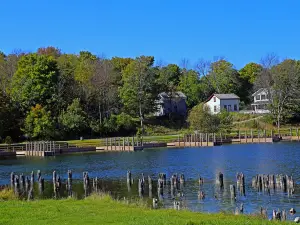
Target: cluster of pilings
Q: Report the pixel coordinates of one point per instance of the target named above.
(23, 186)
(267, 182)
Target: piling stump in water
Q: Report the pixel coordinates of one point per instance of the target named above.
(22, 182)
(41, 185)
(154, 203)
(241, 183)
(27, 184)
(182, 180)
(39, 175)
(141, 187)
(232, 191)
(220, 180)
(129, 178)
(69, 183)
(12, 179)
(86, 183)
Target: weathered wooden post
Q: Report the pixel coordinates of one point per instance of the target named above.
(220, 180)
(150, 186)
(283, 215)
(246, 137)
(17, 185)
(291, 134)
(22, 182)
(178, 140)
(69, 183)
(297, 133)
(182, 180)
(239, 136)
(41, 185)
(241, 183)
(54, 179)
(12, 179)
(110, 143)
(39, 174)
(201, 181)
(86, 183)
(32, 179)
(232, 191)
(27, 184)
(155, 203)
(129, 181)
(115, 144)
(95, 184)
(265, 135)
(207, 139)
(201, 195)
(141, 187)
(176, 205)
(263, 213)
(160, 185)
(258, 136)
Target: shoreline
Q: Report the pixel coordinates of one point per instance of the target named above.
(102, 209)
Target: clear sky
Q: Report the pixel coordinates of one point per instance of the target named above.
(240, 30)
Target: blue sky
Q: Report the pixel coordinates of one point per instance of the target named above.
(240, 30)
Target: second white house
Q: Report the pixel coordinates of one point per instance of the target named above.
(229, 102)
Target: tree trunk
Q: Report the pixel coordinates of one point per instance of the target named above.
(278, 124)
(100, 115)
(141, 119)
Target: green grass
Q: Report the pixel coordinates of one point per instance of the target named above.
(101, 142)
(104, 210)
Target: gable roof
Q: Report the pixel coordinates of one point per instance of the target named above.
(227, 96)
(177, 94)
(259, 91)
(224, 96)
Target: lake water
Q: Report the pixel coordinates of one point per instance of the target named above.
(111, 168)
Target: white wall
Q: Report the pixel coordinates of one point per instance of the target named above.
(211, 105)
(261, 93)
(221, 103)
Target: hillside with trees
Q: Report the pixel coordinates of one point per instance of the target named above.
(49, 94)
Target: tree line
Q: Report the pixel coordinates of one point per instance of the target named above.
(53, 95)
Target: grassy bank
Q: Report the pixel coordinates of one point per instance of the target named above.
(101, 142)
(104, 210)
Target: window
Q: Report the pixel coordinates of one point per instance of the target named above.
(263, 97)
(215, 108)
(215, 99)
(225, 107)
(257, 97)
(235, 107)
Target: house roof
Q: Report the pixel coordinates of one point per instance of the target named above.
(227, 96)
(259, 91)
(177, 94)
(224, 96)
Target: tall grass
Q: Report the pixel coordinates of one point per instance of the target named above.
(7, 194)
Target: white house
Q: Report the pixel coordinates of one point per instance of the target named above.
(171, 103)
(229, 102)
(260, 101)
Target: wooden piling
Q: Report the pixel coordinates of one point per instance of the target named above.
(232, 191)
(220, 180)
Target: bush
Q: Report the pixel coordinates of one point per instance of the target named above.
(8, 140)
(7, 194)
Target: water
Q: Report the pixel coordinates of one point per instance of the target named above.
(251, 159)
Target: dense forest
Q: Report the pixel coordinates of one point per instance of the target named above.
(52, 95)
